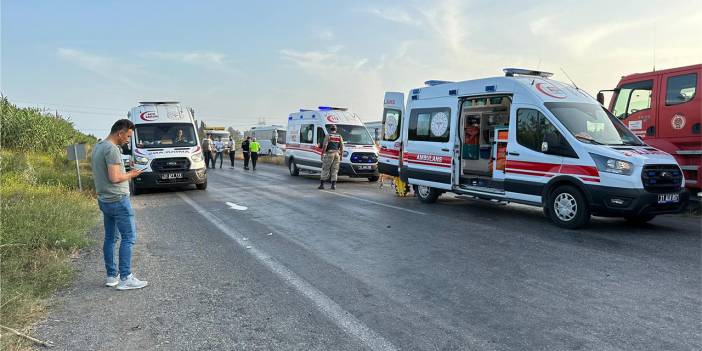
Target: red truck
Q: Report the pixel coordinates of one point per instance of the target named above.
(664, 109)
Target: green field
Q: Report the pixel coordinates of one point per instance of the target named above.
(44, 219)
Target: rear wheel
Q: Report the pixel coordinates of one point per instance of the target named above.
(640, 219)
(373, 179)
(202, 186)
(292, 167)
(567, 207)
(427, 194)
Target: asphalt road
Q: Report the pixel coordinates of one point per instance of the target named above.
(360, 269)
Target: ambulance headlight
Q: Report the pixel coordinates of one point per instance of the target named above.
(197, 157)
(142, 160)
(346, 153)
(612, 165)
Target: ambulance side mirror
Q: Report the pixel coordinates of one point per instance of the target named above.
(600, 98)
(126, 150)
(544, 147)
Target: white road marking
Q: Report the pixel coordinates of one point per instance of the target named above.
(234, 206)
(342, 318)
(373, 202)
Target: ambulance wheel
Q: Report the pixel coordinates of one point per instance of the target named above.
(373, 179)
(640, 219)
(133, 190)
(202, 186)
(292, 167)
(567, 207)
(426, 194)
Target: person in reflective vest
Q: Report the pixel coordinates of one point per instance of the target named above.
(332, 149)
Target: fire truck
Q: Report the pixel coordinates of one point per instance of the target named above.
(664, 109)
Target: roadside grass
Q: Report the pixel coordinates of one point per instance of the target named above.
(276, 160)
(43, 222)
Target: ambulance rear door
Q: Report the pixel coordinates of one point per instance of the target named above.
(427, 154)
(389, 157)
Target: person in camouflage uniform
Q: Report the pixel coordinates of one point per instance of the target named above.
(332, 149)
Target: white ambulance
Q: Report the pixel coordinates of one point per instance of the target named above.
(166, 146)
(527, 139)
(307, 130)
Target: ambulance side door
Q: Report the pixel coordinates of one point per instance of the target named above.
(427, 154)
(390, 135)
(529, 164)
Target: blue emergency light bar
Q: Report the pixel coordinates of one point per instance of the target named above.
(433, 82)
(332, 108)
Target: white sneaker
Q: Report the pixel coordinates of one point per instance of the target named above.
(131, 283)
(112, 281)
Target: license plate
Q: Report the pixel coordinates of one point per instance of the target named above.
(172, 176)
(668, 198)
(364, 167)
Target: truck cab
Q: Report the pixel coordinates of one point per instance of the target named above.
(664, 109)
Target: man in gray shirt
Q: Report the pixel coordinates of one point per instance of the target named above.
(112, 187)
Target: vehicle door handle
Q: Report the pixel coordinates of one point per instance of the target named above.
(513, 153)
(383, 147)
(445, 149)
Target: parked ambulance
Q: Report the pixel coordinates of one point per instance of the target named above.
(307, 131)
(527, 139)
(166, 146)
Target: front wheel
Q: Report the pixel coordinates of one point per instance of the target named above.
(292, 167)
(373, 179)
(133, 190)
(567, 207)
(202, 186)
(427, 194)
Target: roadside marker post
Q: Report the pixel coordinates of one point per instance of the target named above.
(76, 152)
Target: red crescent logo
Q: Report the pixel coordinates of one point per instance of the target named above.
(550, 90)
(148, 116)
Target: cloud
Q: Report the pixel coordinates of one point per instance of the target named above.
(327, 60)
(325, 34)
(103, 66)
(393, 15)
(208, 59)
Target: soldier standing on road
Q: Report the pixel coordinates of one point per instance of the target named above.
(112, 187)
(232, 148)
(254, 148)
(207, 150)
(245, 150)
(332, 149)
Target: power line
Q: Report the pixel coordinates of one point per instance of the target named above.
(70, 106)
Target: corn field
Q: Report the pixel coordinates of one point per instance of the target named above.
(30, 129)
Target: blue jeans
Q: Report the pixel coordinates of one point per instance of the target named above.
(118, 215)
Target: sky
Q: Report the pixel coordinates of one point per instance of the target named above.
(239, 62)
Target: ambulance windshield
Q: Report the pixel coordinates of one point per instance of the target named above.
(165, 135)
(356, 135)
(591, 123)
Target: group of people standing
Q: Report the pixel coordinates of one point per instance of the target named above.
(214, 150)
